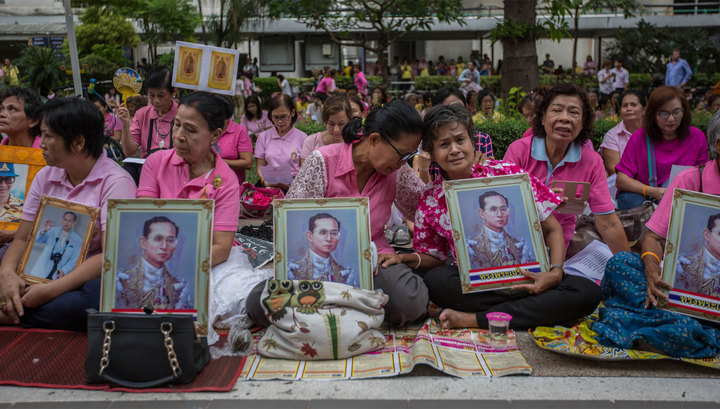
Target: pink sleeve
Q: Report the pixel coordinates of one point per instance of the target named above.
(121, 186)
(118, 125)
(227, 207)
(136, 127)
(149, 183)
(32, 199)
(660, 220)
(629, 161)
(307, 147)
(600, 201)
(260, 145)
(610, 141)
(244, 142)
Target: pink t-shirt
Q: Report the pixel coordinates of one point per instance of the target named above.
(107, 180)
(112, 124)
(616, 139)
(281, 151)
(165, 175)
(311, 143)
(689, 179)
(361, 82)
(326, 85)
(258, 125)
(691, 151)
(235, 140)
(581, 164)
(36, 142)
(433, 231)
(140, 128)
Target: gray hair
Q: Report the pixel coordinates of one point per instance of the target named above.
(713, 134)
(442, 114)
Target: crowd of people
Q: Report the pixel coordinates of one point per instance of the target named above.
(397, 152)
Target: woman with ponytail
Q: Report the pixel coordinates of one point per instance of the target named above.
(371, 163)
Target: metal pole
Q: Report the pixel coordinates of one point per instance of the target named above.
(74, 61)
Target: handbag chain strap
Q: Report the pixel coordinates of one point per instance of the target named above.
(166, 329)
(108, 328)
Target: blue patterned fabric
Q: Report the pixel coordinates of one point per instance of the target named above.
(624, 320)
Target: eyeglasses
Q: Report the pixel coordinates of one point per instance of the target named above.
(9, 180)
(281, 118)
(501, 209)
(404, 157)
(677, 114)
(158, 240)
(334, 234)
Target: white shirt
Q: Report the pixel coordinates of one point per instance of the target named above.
(712, 266)
(607, 86)
(153, 276)
(321, 266)
(622, 77)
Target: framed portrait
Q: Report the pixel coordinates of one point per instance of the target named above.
(692, 261)
(323, 239)
(18, 167)
(157, 255)
(59, 240)
(496, 231)
(205, 68)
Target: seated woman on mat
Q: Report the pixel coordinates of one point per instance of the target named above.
(79, 171)
(632, 282)
(192, 169)
(553, 297)
(371, 163)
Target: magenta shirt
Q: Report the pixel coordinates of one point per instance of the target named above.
(616, 139)
(691, 151)
(140, 127)
(380, 189)
(281, 151)
(689, 179)
(581, 164)
(107, 180)
(235, 140)
(361, 82)
(112, 124)
(326, 85)
(258, 125)
(165, 175)
(36, 142)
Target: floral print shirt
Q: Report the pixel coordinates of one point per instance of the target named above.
(433, 230)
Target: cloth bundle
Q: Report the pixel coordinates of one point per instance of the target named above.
(315, 320)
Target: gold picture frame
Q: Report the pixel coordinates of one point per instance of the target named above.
(59, 250)
(189, 60)
(26, 162)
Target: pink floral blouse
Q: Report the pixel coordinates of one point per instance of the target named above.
(433, 231)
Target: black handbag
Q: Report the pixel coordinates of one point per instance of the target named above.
(143, 350)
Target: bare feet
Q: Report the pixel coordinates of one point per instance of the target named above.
(457, 319)
(5, 320)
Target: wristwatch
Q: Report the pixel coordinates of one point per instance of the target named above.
(560, 267)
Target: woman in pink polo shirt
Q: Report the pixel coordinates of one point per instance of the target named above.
(336, 114)
(360, 80)
(633, 282)
(78, 171)
(152, 125)
(327, 84)
(194, 170)
(557, 151)
(279, 147)
(613, 145)
(666, 139)
(255, 120)
(234, 145)
(372, 163)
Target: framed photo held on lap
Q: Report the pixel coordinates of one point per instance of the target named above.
(59, 240)
(496, 231)
(18, 167)
(323, 239)
(692, 256)
(157, 256)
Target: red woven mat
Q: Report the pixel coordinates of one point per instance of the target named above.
(56, 359)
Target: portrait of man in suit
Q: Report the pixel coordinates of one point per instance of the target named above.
(149, 283)
(700, 272)
(494, 246)
(318, 263)
(62, 248)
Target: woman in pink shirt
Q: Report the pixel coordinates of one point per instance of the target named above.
(151, 128)
(666, 139)
(77, 171)
(613, 145)
(557, 151)
(327, 84)
(360, 80)
(279, 147)
(372, 163)
(194, 170)
(255, 120)
(336, 114)
(633, 283)
(234, 145)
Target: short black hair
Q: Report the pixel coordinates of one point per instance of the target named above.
(72, 118)
(155, 220)
(160, 77)
(253, 99)
(215, 109)
(74, 215)
(32, 102)
(279, 101)
(389, 120)
(443, 93)
(484, 196)
(320, 216)
(712, 220)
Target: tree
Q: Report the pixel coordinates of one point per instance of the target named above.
(104, 32)
(40, 69)
(371, 24)
(225, 28)
(167, 20)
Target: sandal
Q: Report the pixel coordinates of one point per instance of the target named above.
(390, 233)
(402, 236)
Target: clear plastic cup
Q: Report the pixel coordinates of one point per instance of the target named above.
(499, 323)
